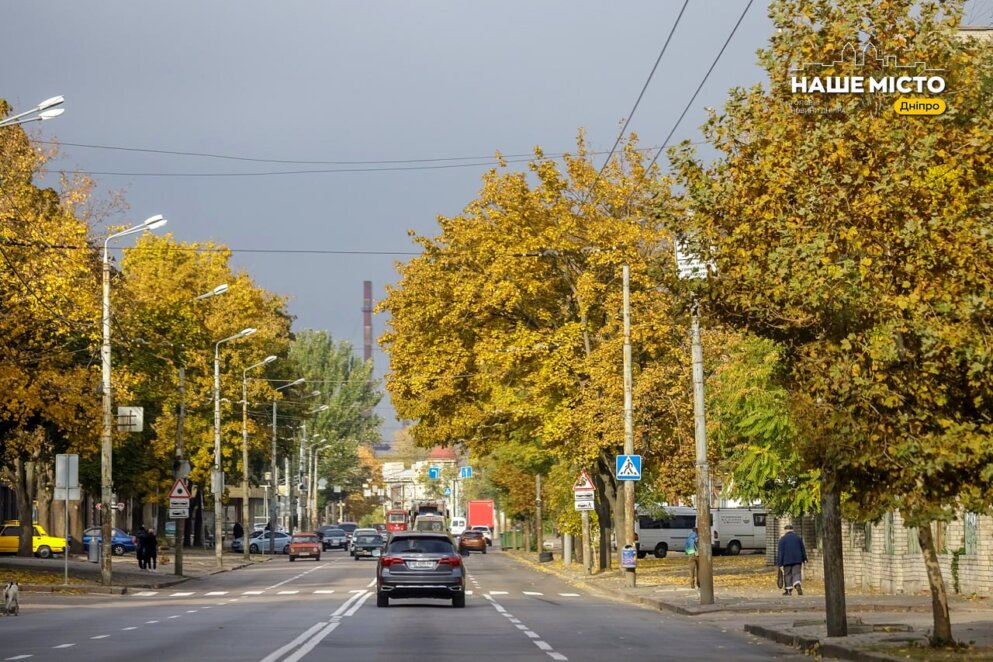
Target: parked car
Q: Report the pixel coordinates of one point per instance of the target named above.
(120, 542)
(472, 541)
(42, 544)
(304, 546)
(487, 533)
(332, 537)
(667, 532)
(737, 529)
(420, 565)
(367, 544)
(356, 533)
(257, 543)
(458, 526)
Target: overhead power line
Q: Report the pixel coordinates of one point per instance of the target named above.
(620, 134)
(689, 103)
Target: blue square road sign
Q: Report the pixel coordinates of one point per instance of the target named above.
(628, 467)
(434, 473)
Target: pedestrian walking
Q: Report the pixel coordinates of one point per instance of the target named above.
(791, 556)
(237, 531)
(139, 551)
(151, 550)
(693, 554)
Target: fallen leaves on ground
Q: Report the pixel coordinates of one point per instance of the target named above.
(35, 577)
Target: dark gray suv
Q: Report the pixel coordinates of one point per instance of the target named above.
(420, 565)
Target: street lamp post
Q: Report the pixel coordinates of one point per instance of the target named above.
(692, 268)
(45, 110)
(321, 444)
(106, 436)
(218, 475)
(275, 497)
(182, 469)
(244, 449)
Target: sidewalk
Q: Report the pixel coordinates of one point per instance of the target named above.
(84, 576)
(881, 627)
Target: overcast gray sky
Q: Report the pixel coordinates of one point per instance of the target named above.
(349, 82)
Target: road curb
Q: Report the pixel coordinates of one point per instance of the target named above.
(814, 645)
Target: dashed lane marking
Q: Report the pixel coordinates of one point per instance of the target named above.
(18, 657)
(498, 593)
(176, 616)
(130, 627)
(253, 592)
(569, 595)
(146, 594)
(216, 593)
(64, 646)
(287, 592)
(150, 622)
(532, 593)
(100, 636)
(324, 592)
(543, 645)
(182, 594)
(530, 634)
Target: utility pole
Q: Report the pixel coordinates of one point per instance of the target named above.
(630, 574)
(587, 552)
(180, 418)
(706, 570)
(538, 525)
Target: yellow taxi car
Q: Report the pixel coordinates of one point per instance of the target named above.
(42, 544)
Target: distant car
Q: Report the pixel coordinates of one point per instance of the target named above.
(420, 565)
(472, 541)
(348, 528)
(120, 542)
(367, 544)
(380, 527)
(42, 544)
(487, 533)
(355, 534)
(257, 543)
(332, 537)
(304, 546)
(458, 526)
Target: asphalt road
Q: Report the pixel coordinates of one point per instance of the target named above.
(282, 612)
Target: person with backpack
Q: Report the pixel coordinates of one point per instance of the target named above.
(693, 554)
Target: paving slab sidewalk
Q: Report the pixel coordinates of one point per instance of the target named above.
(875, 621)
(84, 576)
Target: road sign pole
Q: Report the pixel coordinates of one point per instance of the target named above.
(706, 570)
(630, 576)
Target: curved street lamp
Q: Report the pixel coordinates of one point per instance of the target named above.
(274, 506)
(45, 111)
(244, 446)
(106, 435)
(218, 477)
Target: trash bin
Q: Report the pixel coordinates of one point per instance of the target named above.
(93, 552)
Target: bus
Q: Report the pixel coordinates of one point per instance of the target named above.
(397, 520)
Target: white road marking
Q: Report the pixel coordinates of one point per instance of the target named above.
(532, 593)
(468, 592)
(216, 593)
(146, 594)
(287, 581)
(64, 646)
(150, 622)
(276, 654)
(348, 603)
(533, 636)
(324, 591)
(309, 646)
(207, 607)
(133, 627)
(182, 594)
(192, 611)
(358, 604)
(100, 636)
(17, 657)
(287, 592)
(498, 593)
(253, 592)
(357, 590)
(569, 595)
(176, 616)
(371, 584)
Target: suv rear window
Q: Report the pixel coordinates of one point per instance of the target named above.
(421, 546)
(472, 534)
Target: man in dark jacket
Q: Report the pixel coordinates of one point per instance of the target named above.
(791, 557)
(139, 551)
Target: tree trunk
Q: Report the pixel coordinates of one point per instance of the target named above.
(23, 486)
(604, 504)
(939, 597)
(46, 481)
(834, 565)
(76, 526)
(619, 519)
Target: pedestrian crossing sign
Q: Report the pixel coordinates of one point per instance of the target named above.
(628, 467)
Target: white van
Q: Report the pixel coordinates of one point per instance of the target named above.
(739, 529)
(458, 526)
(662, 535)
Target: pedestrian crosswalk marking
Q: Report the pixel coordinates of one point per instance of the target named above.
(498, 593)
(287, 592)
(324, 592)
(253, 592)
(532, 593)
(217, 593)
(182, 594)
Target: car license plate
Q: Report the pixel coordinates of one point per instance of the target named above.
(375, 552)
(421, 564)
(304, 553)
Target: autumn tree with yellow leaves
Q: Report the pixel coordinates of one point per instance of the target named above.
(506, 334)
(861, 241)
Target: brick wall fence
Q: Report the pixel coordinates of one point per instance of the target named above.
(885, 556)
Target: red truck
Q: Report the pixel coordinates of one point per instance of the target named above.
(480, 513)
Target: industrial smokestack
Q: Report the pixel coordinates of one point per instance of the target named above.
(367, 319)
